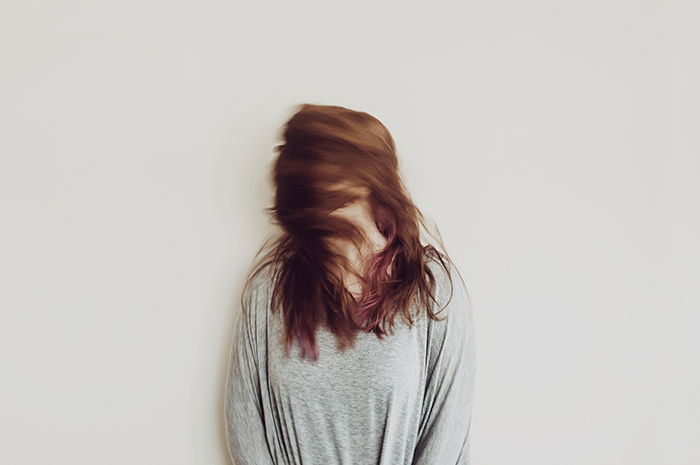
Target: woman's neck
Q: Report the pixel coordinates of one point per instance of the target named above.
(375, 243)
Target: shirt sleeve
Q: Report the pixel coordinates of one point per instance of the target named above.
(447, 406)
(244, 420)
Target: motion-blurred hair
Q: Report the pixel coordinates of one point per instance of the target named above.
(325, 146)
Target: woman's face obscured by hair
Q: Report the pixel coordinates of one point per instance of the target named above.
(354, 210)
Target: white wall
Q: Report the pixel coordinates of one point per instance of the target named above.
(555, 144)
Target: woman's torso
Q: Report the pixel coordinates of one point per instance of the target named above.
(360, 406)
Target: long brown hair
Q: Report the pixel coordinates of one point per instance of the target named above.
(324, 145)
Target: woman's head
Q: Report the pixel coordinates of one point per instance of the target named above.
(332, 157)
(336, 160)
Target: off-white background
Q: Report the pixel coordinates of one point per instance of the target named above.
(554, 143)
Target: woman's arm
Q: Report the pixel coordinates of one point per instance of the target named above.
(447, 406)
(244, 420)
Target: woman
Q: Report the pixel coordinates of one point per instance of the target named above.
(354, 345)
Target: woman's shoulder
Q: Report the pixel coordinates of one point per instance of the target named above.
(442, 268)
(451, 293)
(261, 277)
(256, 292)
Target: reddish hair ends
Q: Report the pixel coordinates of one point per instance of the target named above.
(325, 146)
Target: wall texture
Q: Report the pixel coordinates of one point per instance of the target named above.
(554, 143)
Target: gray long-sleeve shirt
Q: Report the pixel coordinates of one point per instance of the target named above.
(403, 400)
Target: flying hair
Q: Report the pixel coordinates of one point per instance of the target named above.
(323, 147)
